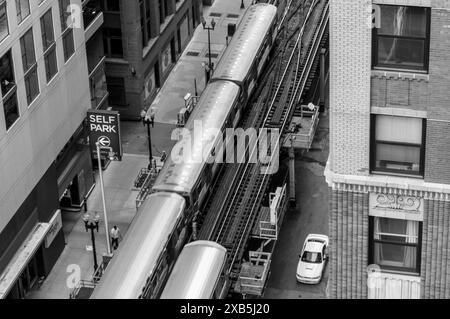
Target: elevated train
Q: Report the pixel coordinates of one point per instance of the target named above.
(162, 225)
(198, 273)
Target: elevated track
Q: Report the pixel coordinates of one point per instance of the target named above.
(235, 200)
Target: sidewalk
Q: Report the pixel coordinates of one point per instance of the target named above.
(135, 138)
(121, 208)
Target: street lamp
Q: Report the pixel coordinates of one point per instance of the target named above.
(105, 216)
(91, 223)
(210, 64)
(148, 120)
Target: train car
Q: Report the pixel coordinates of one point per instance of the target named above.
(243, 60)
(155, 238)
(198, 273)
(148, 251)
(191, 176)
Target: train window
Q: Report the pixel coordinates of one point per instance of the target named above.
(219, 287)
(149, 288)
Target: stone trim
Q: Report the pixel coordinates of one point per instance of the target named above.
(394, 111)
(387, 185)
(400, 75)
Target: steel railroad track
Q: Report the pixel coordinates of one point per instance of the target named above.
(240, 189)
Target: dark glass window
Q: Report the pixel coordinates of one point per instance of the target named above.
(22, 9)
(4, 29)
(144, 6)
(112, 40)
(112, 5)
(162, 11)
(402, 41)
(116, 89)
(395, 244)
(68, 44)
(29, 66)
(398, 145)
(48, 43)
(66, 30)
(8, 90)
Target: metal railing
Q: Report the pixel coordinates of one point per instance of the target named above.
(146, 186)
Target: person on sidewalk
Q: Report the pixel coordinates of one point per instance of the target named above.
(115, 234)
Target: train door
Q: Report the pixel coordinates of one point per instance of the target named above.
(221, 285)
(156, 282)
(266, 50)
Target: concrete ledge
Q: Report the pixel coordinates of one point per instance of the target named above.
(387, 184)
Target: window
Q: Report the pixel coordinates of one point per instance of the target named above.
(8, 90)
(112, 5)
(49, 46)
(112, 40)
(395, 244)
(162, 11)
(312, 257)
(4, 29)
(398, 145)
(402, 41)
(66, 30)
(116, 89)
(22, 9)
(91, 10)
(144, 6)
(29, 66)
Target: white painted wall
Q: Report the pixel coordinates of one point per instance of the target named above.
(33, 142)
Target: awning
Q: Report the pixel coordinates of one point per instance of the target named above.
(22, 258)
(80, 159)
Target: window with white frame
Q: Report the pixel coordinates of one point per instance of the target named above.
(22, 10)
(4, 29)
(395, 244)
(398, 144)
(402, 41)
(66, 30)
(49, 45)
(29, 66)
(8, 90)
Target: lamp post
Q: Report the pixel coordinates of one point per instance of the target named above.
(105, 216)
(210, 64)
(91, 223)
(148, 120)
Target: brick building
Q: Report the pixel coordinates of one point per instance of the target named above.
(389, 165)
(44, 158)
(143, 39)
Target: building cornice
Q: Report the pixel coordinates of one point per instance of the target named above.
(387, 185)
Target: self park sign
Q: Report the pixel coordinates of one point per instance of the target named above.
(104, 128)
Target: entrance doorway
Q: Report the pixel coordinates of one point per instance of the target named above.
(28, 279)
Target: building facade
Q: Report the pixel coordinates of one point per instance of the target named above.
(143, 39)
(93, 20)
(389, 165)
(44, 158)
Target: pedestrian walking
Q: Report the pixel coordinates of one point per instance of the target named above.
(163, 156)
(115, 234)
(152, 117)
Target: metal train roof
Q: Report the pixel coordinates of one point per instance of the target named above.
(196, 271)
(181, 170)
(139, 251)
(238, 58)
